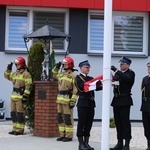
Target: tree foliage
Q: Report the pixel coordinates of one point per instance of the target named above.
(35, 59)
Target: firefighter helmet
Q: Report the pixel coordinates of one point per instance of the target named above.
(69, 61)
(21, 61)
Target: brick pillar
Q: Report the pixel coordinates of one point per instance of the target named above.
(45, 122)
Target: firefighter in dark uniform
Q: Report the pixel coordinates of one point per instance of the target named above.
(22, 82)
(66, 98)
(85, 107)
(145, 107)
(122, 101)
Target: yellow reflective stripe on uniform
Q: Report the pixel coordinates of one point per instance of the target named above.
(57, 76)
(66, 78)
(16, 96)
(69, 129)
(14, 124)
(63, 99)
(20, 77)
(11, 75)
(61, 128)
(27, 92)
(28, 80)
(74, 96)
(54, 71)
(20, 126)
(7, 73)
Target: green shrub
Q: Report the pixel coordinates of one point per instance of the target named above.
(112, 123)
(35, 59)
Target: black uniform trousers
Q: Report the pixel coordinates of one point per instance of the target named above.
(85, 120)
(146, 124)
(122, 121)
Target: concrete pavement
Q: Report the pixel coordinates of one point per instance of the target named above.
(30, 142)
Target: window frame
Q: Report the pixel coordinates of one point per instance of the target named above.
(30, 11)
(122, 13)
(145, 33)
(7, 48)
(95, 12)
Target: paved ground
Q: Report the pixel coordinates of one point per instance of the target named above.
(30, 142)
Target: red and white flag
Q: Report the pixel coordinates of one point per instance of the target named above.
(91, 85)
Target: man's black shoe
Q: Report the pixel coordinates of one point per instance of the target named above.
(18, 133)
(89, 147)
(67, 139)
(119, 145)
(60, 138)
(126, 148)
(11, 132)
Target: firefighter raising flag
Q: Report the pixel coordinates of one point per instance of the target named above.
(94, 84)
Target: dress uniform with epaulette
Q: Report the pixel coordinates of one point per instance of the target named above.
(145, 107)
(22, 82)
(85, 107)
(122, 102)
(66, 98)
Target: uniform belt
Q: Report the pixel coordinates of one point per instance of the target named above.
(16, 90)
(64, 92)
(122, 94)
(19, 90)
(146, 98)
(86, 97)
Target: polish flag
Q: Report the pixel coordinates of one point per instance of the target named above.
(91, 85)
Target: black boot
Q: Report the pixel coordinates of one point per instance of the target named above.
(86, 141)
(82, 144)
(60, 138)
(67, 139)
(126, 147)
(12, 132)
(18, 133)
(148, 145)
(119, 145)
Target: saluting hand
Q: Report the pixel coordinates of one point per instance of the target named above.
(9, 66)
(58, 65)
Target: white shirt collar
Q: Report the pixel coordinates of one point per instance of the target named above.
(83, 74)
(124, 70)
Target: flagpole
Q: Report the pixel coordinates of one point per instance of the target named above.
(106, 74)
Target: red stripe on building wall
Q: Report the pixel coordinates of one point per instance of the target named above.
(99, 4)
(54, 3)
(134, 5)
(27, 2)
(81, 4)
(125, 5)
(148, 5)
(116, 4)
(6, 2)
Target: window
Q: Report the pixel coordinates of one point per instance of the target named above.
(129, 33)
(22, 20)
(96, 32)
(54, 19)
(17, 27)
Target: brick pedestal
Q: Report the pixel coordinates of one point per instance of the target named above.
(45, 123)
